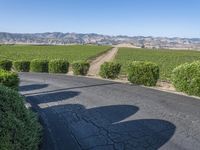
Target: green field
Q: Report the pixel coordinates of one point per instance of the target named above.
(166, 59)
(71, 53)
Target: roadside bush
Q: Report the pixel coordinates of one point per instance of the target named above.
(6, 65)
(186, 78)
(58, 66)
(143, 73)
(110, 70)
(21, 65)
(19, 127)
(80, 68)
(9, 79)
(38, 65)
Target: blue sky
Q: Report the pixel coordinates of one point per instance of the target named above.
(172, 18)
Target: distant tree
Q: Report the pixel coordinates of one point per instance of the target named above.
(143, 46)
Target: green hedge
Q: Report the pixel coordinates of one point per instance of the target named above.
(80, 68)
(9, 79)
(186, 78)
(19, 127)
(110, 70)
(143, 73)
(38, 65)
(58, 66)
(6, 65)
(21, 65)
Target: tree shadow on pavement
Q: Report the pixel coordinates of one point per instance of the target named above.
(52, 97)
(75, 126)
(110, 127)
(72, 88)
(32, 87)
(49, 118)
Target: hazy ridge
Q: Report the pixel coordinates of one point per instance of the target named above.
(59, 38)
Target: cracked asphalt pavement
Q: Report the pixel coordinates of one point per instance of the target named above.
(79, 113)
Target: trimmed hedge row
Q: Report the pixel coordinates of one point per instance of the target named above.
(186, 78)
(143, 73)
(110, 70)
(19, 127)
(58, 66)
(38, 65)
(9, 79)
(80, 67)
(21, 66)
(6, 65)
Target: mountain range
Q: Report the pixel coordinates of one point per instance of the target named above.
(59, 38)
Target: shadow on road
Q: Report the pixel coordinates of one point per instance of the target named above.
(73, 126)
(32, 87)
(110, 124)
(47, 97)
(56, 132)
(70, 88)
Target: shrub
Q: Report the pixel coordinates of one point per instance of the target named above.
(143, 73)
(80, 68)
(38, 65)
(9, 79)
(58, 66)
(186, 78)
(110, 70)
(21, 66)
(6, 65)
(19, 127)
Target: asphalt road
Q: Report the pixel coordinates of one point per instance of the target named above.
(82, 113)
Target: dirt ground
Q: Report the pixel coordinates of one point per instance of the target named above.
(96, 64)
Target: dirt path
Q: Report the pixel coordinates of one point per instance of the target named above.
(96, 64)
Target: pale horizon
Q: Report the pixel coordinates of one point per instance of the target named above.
(100, 34)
